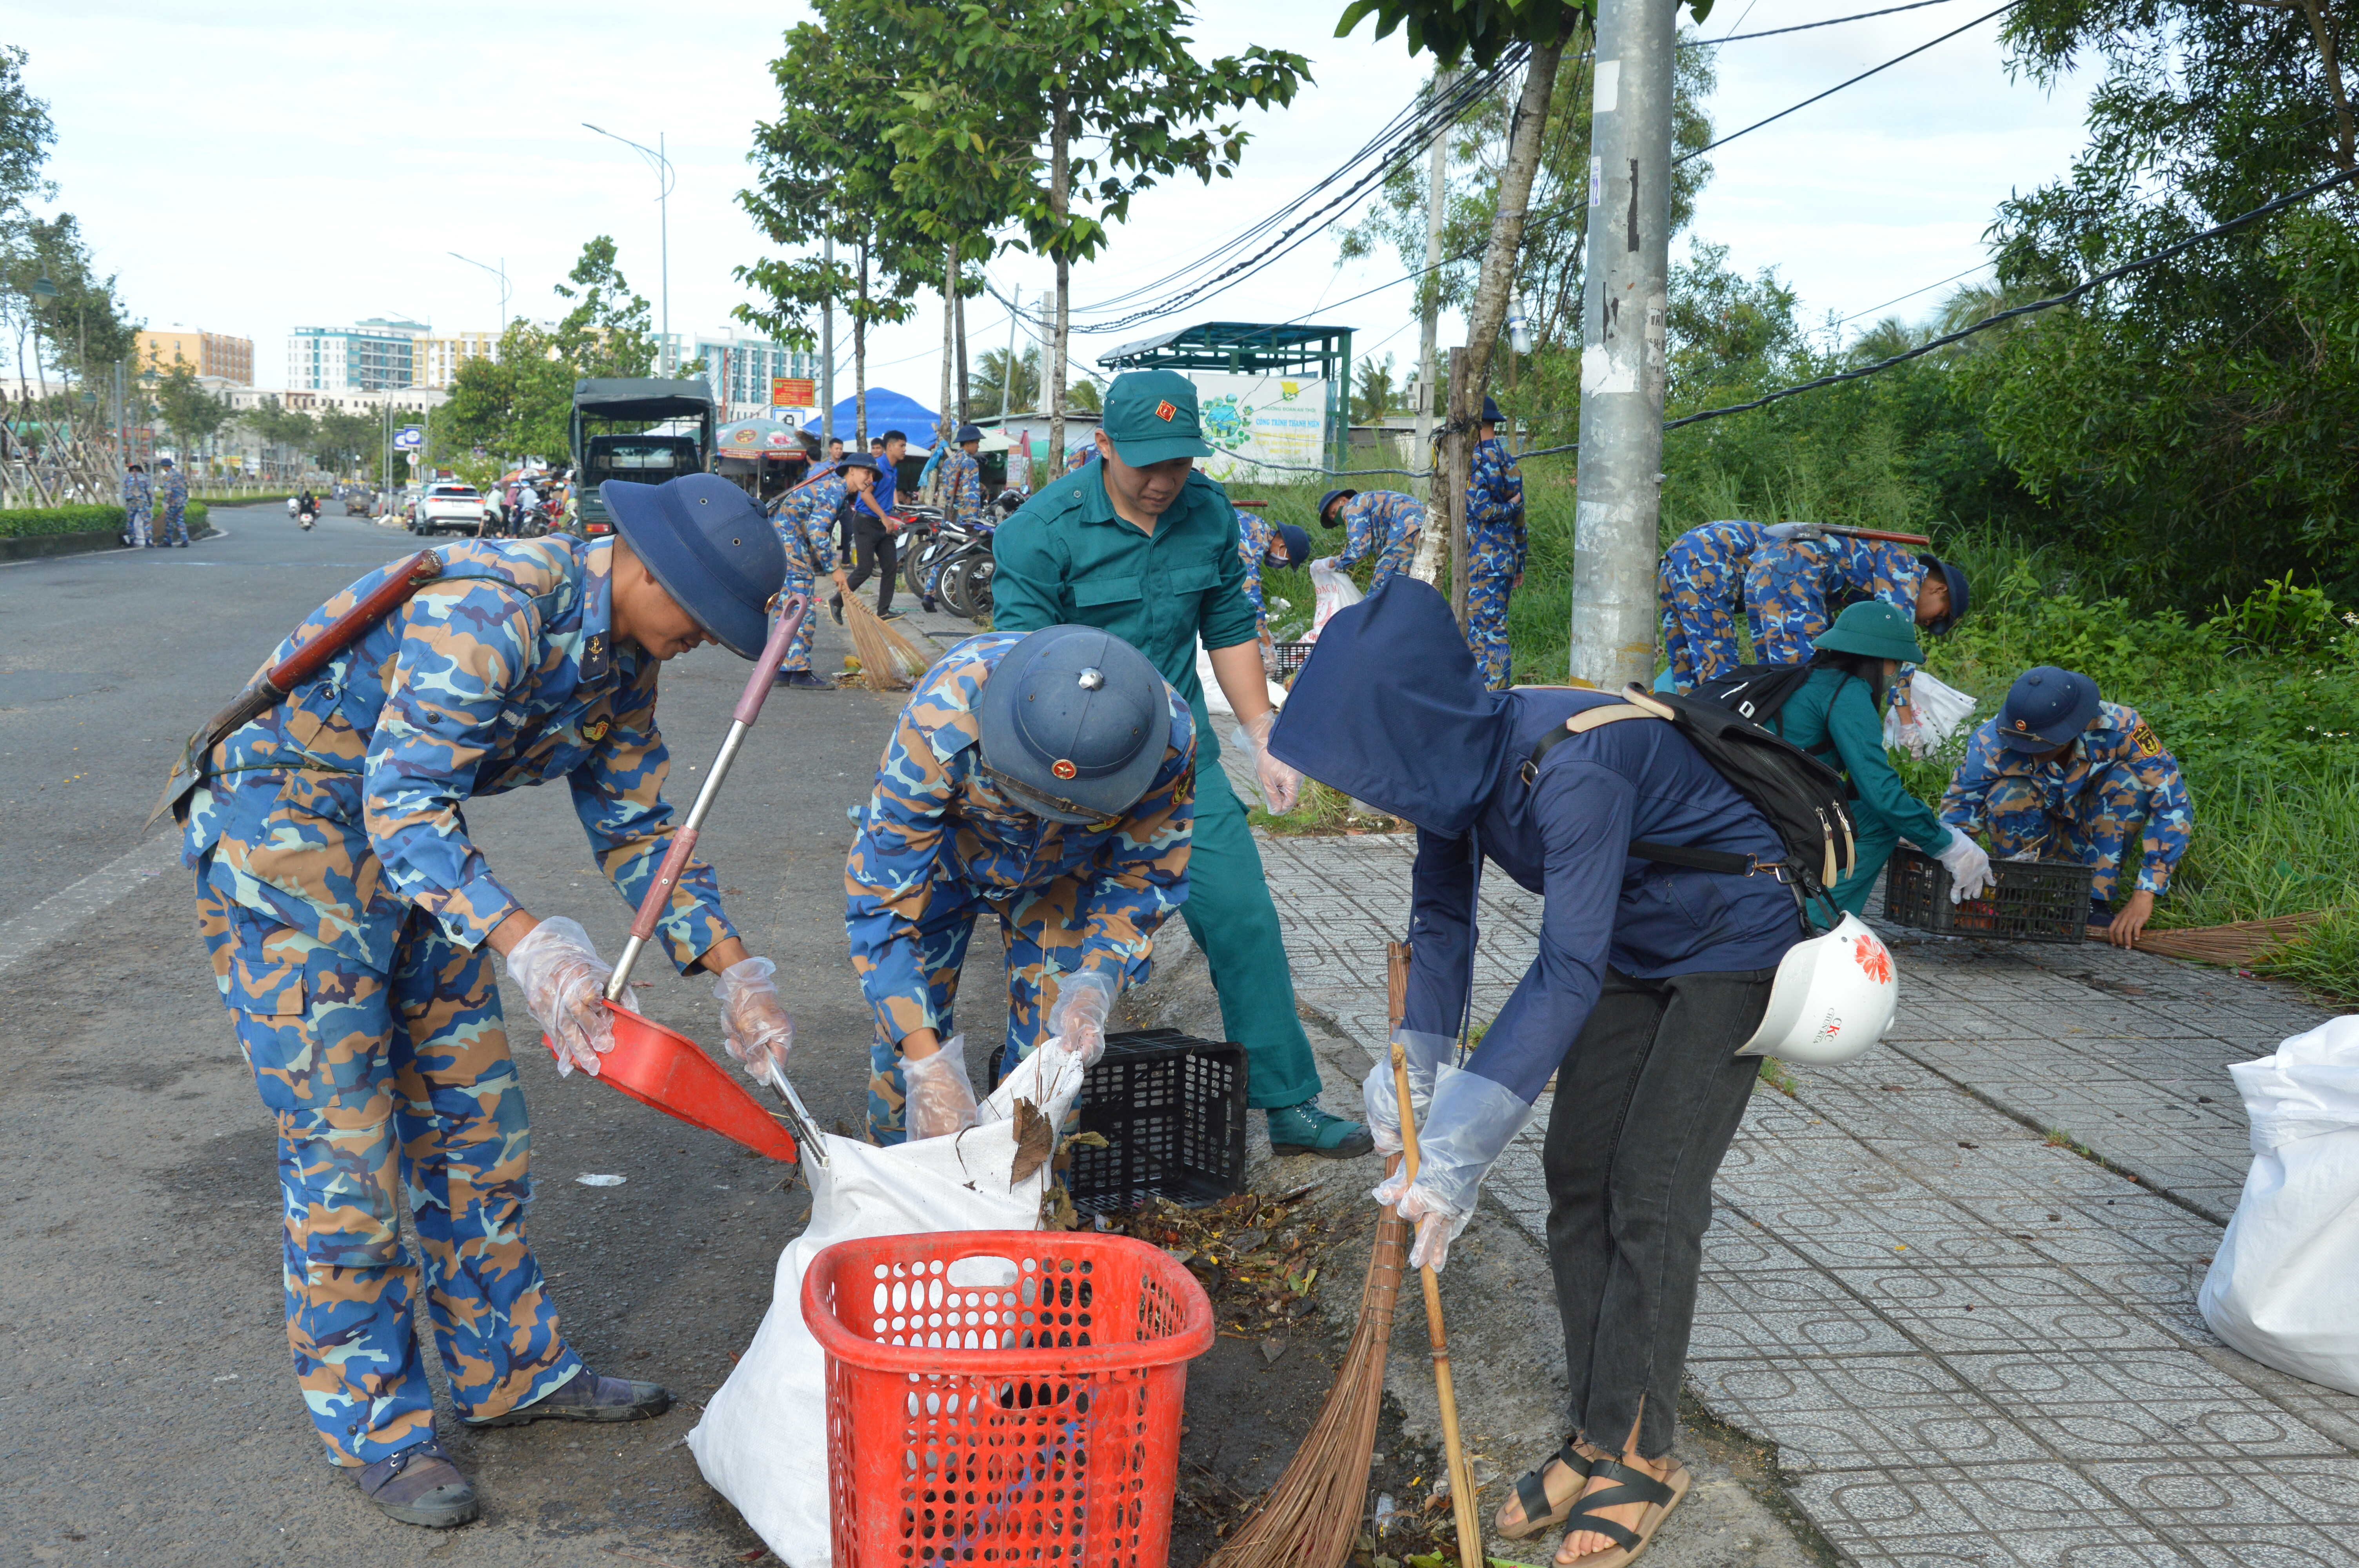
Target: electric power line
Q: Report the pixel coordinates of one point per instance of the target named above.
(1805, 26)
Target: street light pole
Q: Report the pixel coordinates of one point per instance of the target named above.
(500, 272)
(665, 178)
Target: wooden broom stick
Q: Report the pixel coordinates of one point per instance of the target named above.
(1461, 1475)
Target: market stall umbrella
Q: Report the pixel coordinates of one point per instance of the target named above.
(757, 438)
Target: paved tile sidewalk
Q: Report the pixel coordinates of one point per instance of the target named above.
(1970, 1345)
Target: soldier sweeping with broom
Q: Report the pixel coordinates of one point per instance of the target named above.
(1653, 973)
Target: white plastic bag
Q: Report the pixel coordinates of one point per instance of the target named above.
(1335, 590)
(1216, 699)
(1939, 708)
(761, 1443)
(2280, 1288)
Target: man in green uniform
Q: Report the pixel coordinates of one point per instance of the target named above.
(1141, 545)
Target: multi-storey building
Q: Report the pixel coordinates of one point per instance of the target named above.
(211, 354)
(436, 361)
(373, 355)
(740, 369)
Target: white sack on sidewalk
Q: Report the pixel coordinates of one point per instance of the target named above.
(1940, 708)
(2281, 1288)
(763, 1441)
(1335, 591)
(1216, 699)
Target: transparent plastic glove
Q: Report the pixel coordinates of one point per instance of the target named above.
(1970, 868)
(1078, 1021)
(1324, 564)
(753, 1022)
(1473, 1121)
(1281, 786)
(564, 984)
(940, 1100)
(1381, 1100)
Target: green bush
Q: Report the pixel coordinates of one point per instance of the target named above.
(29, 522)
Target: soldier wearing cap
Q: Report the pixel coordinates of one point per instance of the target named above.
(1795, 586)
(352, 920)
(2063, 775)
(1141, 545)
(1261, 544)
(961, 496)
(1048, 778)
(1497, 548)
(1382, 525)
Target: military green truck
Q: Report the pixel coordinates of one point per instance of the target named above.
(640, 455)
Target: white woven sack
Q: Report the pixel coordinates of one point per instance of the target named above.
(763, 1441)
(2280, 1288)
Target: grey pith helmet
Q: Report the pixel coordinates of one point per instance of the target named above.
(1075, 721)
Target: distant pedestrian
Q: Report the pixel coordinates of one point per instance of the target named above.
(871, 529)
(1382, 525)
(1496, 548)
(175, 507)
(889, 453)
(805, 519)
(139, 506)
(1262, 543)
(962, 497)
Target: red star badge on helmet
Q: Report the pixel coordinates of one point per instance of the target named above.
(1063, 768)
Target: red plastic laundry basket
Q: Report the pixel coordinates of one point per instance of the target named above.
(1004, 1396)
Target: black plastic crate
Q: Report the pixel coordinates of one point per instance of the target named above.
(2035, 901)
(1173, 1110)
(1292, 656)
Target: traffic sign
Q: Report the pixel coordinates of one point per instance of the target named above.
(792, 392)
(410, 439)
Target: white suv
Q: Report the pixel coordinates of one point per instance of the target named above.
(457, 507)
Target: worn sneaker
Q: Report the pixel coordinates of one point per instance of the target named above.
(588, 1397)
(420, 1485)
(1305, 1129)
(802, 680)
(927, 604)
(891, 614)
(835, 609)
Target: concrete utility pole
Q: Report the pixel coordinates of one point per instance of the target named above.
(827, 348)
(1436, 190)
(1619, 511)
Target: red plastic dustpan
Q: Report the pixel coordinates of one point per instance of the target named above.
(658, 1067)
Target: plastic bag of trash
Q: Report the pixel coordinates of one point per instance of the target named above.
(1335, 590)
(2279, 1288)
(1940, 709)
(761, 1443)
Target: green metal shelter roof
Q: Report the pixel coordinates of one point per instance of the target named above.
(1238, 346)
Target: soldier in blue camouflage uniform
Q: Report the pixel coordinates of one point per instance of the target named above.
(962, 498)
(1383, 525)
(1496, 548)
(350, 921)
(2063, 775)
(1795, 586)
(995, 795)
(1700, 584)
(1261, 543)
(805, 520)
(139, 507)
(175, 507)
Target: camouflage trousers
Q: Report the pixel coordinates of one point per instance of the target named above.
(2096, 826)
(1487, 585)
(375, 1078)
(799, 652)
(1697, 586)
(138, 523)
(175, 527)
(1034, 924)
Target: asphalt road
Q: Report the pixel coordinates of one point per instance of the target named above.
(146, 1407)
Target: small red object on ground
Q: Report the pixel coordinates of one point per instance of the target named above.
(671, 1071)
(1005, 1396)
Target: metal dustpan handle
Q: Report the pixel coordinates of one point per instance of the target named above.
(791, 608)
(799, 1118)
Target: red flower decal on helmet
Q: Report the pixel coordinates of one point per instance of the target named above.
(1873, 959)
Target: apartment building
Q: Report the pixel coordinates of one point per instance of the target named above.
(214, 355)
(372, 355)
(436, 361)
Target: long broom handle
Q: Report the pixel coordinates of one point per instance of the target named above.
(1461, 1476)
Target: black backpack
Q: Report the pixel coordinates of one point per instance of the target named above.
(1755, 691)
(1801, 797)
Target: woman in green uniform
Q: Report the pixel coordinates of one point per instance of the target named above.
(1838, 717)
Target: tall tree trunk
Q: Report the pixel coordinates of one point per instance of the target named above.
(860, 359)
(1428, 337)
(945, 416)
(1052, 363)
(965, 396)
(2323, 31)
(1490, 312)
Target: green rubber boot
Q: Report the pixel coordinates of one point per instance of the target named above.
(1305, 1129)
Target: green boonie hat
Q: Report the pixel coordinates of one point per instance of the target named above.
(1877, 630)
(1150, 418)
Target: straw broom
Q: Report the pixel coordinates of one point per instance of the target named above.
(1311, 1517)
(888, 661)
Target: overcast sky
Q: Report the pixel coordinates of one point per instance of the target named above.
(250, 166)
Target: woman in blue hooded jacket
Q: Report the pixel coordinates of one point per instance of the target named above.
(1648, 979)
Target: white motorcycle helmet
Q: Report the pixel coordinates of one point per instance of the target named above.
(1833, 998)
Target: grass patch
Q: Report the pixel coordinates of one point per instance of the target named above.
(1326, 811)
(1778, 1076)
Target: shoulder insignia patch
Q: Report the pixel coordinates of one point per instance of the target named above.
(594, 729)
(2146, 740)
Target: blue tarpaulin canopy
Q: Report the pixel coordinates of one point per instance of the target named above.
(887, 410)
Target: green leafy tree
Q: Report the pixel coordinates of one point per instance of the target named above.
(347, 442)
(1023, 396)
(1376, 395)
(824, 173)
(519, 402)
(1086, 396)
(193, 415)
(610, 330)
(1112, 89)
(26, 134)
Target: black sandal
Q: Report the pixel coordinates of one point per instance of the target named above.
(1630, 1486)
(1531, 1493)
